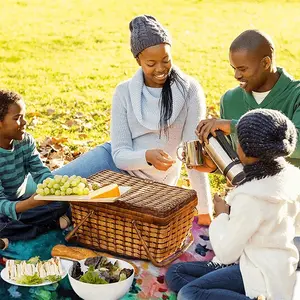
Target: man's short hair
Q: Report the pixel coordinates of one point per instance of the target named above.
(254, 40)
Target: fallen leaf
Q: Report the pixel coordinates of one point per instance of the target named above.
(79, 143)
(55, 153)
(82, 135)
(56, 147)
(56, 163)
(70, 123)
(88, 125)
(78, 115)
(33, 114)
(46, 142)
(50, 111)
(60, 140)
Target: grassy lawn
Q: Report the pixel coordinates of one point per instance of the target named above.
(67, 56)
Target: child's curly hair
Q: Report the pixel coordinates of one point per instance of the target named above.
(6, 99)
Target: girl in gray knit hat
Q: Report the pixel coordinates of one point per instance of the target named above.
(253, 240)
(152, 114)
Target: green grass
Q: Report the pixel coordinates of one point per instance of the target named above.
(68, 55)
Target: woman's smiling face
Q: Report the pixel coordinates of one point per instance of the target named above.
(156, 63)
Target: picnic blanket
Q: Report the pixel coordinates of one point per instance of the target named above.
(149, 284)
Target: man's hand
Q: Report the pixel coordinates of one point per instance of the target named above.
(208, 164)
(220, 205)
(205, 127)
(159, 159)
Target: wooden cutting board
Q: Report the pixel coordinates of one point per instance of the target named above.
(86, 198)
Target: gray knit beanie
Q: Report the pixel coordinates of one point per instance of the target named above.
(146, 31)
(266, 134)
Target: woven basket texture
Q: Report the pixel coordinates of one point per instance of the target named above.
(163, 215)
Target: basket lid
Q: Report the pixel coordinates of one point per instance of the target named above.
(146, 196)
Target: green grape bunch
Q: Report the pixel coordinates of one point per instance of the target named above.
(63, 186)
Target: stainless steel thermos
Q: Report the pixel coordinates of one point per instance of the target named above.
(226, 159)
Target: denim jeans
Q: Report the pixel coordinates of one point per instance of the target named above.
(94, 161)
(206, 280)
(33, 222)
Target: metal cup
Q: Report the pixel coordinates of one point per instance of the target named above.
(193, 153)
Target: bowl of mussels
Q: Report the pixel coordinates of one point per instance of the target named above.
(101, 277)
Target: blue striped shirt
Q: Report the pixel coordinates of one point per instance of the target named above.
(15, 165)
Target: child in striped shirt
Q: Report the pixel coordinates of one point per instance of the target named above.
(22, 217)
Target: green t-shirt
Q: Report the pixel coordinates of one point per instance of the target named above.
(284, 96)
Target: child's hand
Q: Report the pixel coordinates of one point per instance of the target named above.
(36, 203)
(40, 202)
(29, 204)
(220, 205)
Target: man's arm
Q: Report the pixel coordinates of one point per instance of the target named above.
(233, 122)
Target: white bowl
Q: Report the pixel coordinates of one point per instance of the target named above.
(110, 291)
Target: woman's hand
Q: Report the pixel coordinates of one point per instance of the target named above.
(159, 159)
(220, 205)
(205, 127)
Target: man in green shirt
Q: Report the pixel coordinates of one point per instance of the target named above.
(262, 85)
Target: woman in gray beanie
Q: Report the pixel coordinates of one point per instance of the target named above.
(253, 240)
(152, 114)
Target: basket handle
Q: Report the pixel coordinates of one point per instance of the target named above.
(169, 259)
(72, 232)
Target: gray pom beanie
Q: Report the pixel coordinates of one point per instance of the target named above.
(266, 134)
(146, 31)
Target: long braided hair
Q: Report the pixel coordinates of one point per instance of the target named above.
(166, 100)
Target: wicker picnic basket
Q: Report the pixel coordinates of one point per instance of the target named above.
(151, 221)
